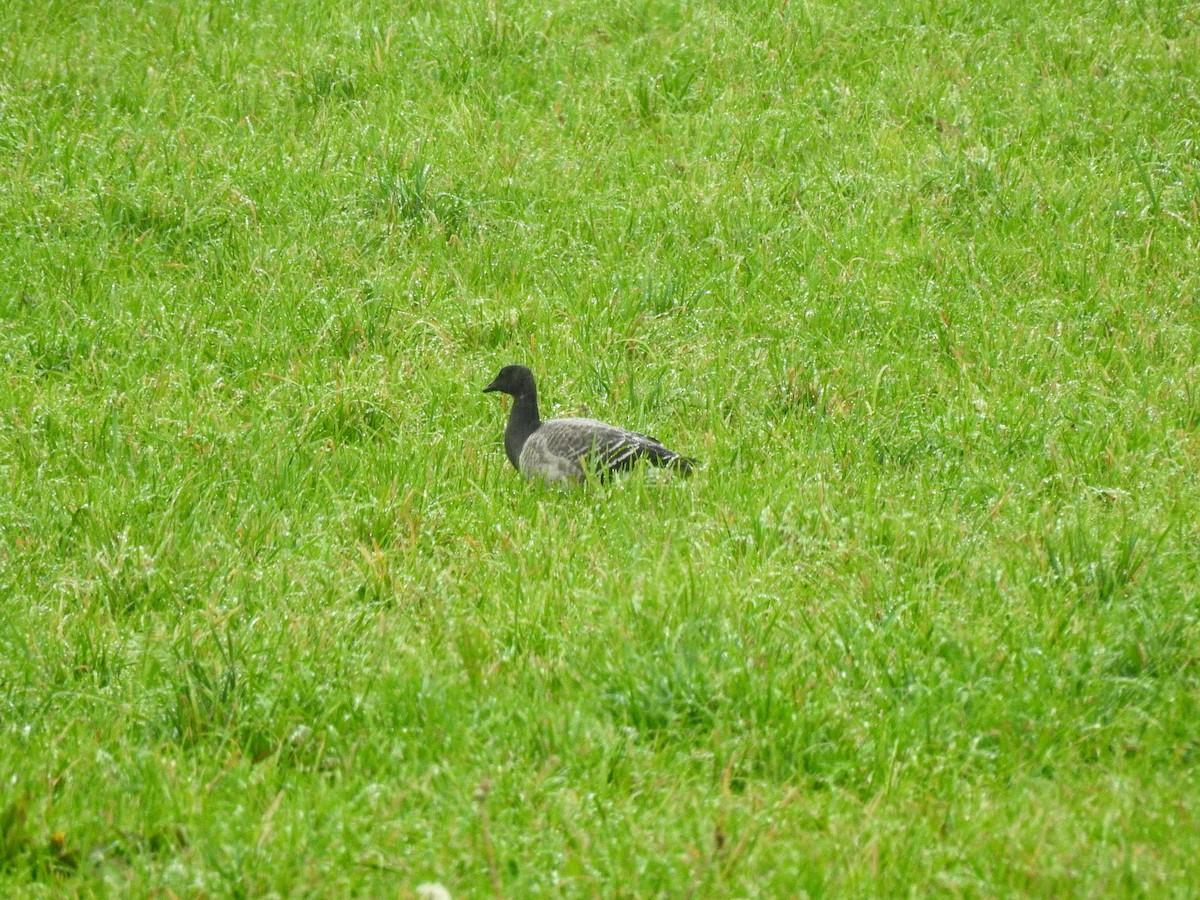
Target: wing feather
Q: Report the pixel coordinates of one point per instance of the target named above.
(603, 447)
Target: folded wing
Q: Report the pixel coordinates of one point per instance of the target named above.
(577, 445)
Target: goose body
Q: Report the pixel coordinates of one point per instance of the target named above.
(568, 449)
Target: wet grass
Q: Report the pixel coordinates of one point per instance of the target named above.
(916, 284)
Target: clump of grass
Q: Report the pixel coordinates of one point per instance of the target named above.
(404, 194)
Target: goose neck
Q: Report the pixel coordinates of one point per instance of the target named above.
(522, 422)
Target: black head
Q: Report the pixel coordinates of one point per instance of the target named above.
(514, 380)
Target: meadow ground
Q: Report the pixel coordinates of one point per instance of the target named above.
(916, 281)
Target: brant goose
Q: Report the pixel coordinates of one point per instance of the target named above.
(567, 449)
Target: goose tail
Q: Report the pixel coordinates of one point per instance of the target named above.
(681, 464)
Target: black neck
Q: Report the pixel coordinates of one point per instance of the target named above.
(522, 422)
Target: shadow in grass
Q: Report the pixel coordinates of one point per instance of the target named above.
(173, 224)
(20, 848)
(232, 701)
(51, 858)
(346, 417)
(669, 693)
(489, 40)
(1081, 561)
(325, 84)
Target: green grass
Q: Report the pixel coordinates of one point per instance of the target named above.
(916, 282)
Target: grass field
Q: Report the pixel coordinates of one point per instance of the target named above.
(918, 284)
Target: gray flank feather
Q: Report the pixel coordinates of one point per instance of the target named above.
(578, 444)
